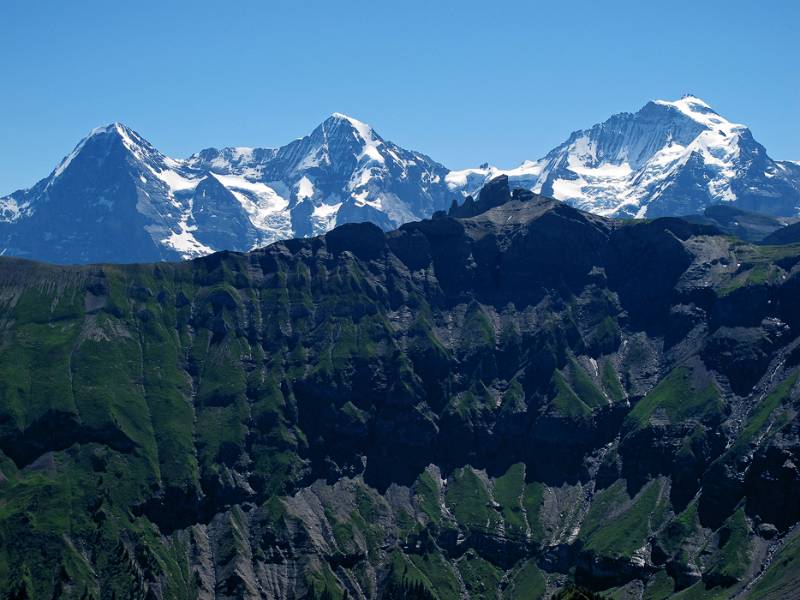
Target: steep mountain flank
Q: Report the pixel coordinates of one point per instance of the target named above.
(500, 404)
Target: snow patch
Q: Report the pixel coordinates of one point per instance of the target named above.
(174, 181)
(324, 217)
(182, 239)
(265, 207)
(470, 181)
(266, 198)
(568, 189)
(11, 210)
(317, 158)
(324, 211)
(305, 189)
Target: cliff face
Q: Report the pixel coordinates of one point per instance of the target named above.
(498, 404)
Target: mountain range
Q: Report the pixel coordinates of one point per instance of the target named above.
(505, 401)
(116, 198)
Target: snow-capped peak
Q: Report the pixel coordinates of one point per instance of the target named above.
(103, 129)
(700, 112)
(129, 137)
(359, 126)
(672, 157)
(692, 99)
(340, 119)
(97, 131)
(365, 135)
(140, 148)
(343, 117)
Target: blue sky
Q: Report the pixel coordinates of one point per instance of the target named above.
(465, 82)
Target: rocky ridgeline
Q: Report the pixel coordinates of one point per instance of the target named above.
(507, 400)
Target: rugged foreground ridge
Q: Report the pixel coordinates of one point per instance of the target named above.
(497, 404)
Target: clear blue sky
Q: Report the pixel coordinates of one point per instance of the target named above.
(465, 82)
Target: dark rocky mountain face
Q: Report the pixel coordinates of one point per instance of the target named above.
(501, 403)
(220, 218)
(746, 225)
(96, 206)
(786, 235)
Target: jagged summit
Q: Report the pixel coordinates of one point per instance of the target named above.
(119, 130)
(116, 129)
(338, 118)
(342, 135)
(364, 131)
(113, 127)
